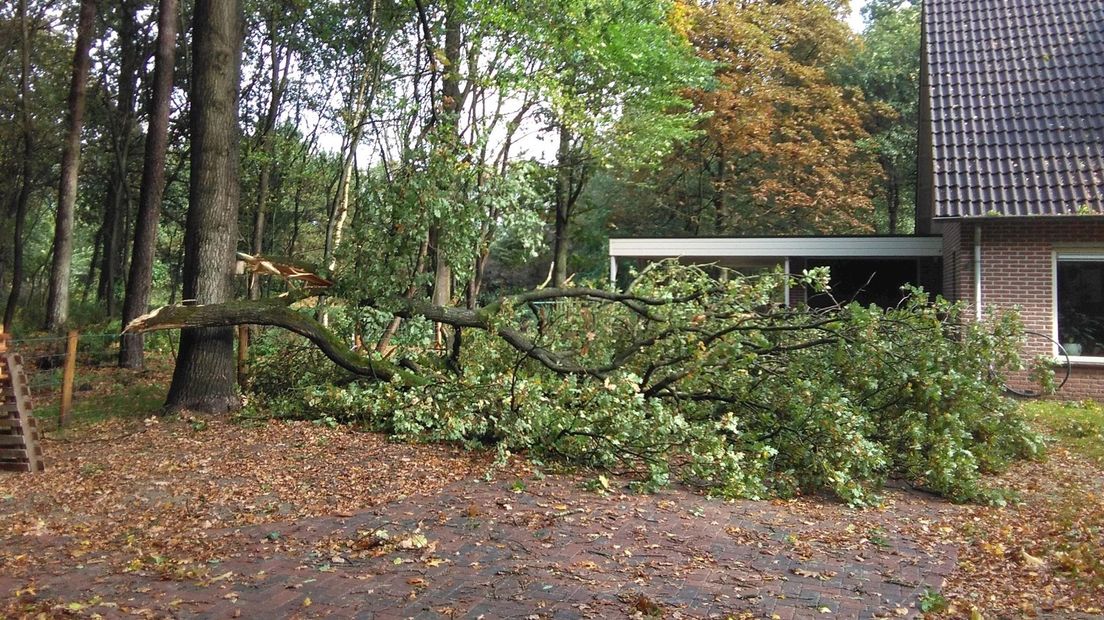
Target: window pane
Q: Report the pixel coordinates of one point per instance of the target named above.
(1081, 307)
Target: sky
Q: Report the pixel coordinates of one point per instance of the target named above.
(855, 21)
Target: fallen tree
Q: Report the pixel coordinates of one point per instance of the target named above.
(682, 373)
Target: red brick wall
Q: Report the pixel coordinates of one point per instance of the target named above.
(1017, 269)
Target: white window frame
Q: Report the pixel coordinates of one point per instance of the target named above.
(1072, 254)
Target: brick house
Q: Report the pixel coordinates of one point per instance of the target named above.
(1010, 201)
(1011, 168)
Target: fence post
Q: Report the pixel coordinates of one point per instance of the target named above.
(67, 378)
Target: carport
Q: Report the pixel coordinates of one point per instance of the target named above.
(869, 269)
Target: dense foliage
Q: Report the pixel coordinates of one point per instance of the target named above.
(886, 68)
(498, 127)
(707, 381)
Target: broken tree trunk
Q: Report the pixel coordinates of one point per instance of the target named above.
(276, 314)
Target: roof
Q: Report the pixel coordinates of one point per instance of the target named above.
(1017, 106)
(780, 247)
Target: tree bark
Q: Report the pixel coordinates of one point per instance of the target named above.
(564, 173)
(271, 313)
(451, 105)
(893, 196)
(720, 193)
(205, 376)
(140, 280)
(117, 206)
(277, 313)
(57, 303)
(339, 207)
(24, 196)
(267, 147)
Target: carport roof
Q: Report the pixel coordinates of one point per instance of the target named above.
(779, 247)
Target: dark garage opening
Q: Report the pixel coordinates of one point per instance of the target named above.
(867, 281)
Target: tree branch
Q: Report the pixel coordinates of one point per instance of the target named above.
(276, 314)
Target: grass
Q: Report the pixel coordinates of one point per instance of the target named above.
(1077, 425)
(138, 399)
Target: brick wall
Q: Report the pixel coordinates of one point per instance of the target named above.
(1017, 270)
(953, 268)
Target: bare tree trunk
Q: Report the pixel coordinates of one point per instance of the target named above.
(451, 104)
(24, 197)
(893, 198)
(339, 208)
(268, 123)
(16, 291)
(118, 196)
(140, 281)
(564, 173)
(205, 375)
(90, 275)
(720, 192)
(57, 304)
(112, 235)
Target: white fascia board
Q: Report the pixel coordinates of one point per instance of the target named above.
(808, 247)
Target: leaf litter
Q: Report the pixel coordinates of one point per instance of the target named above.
(173, 499)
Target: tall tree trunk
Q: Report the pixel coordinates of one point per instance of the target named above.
(720, 193)
(23, 199)
(112, 238)
(339, 207)
(564, 174)
(893, 196)
(57, 303)
(205, 377)
(93, 264)
(117, 208)
(140, 281)
(451, 105)
(268, 149)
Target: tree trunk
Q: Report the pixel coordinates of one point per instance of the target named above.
(451, 104)
(57, 304)
(339, 207)
(112, 236)
(118, 195)
(90, 275)
(720, 192)
(564, 173)
(893, 199)
(267, 125)
(205, 375)
(140, 281)
(24, 196)
(19, 234)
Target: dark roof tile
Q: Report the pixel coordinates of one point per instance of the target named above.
(1017, 104)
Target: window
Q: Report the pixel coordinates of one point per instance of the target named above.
(1080, 300)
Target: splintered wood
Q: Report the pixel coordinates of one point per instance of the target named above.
(19, 445)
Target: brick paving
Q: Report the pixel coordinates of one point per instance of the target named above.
(546, 549)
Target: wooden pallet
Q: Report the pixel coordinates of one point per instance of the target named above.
(20, 449)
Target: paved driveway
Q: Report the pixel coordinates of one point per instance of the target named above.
(546, 548)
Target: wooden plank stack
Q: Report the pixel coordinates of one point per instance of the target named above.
(19, 445)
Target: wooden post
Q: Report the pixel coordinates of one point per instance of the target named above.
(67, 378)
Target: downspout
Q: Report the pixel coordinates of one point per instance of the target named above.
(977, 271)
(786, 284)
